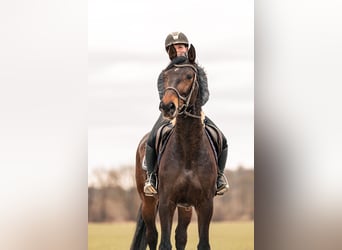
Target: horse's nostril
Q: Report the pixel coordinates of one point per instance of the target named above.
(171, 107)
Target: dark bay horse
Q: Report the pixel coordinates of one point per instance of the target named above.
(187, 168)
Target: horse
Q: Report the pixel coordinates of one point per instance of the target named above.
(187, 169)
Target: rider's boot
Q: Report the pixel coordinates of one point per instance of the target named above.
(150, 187)
(222, 183)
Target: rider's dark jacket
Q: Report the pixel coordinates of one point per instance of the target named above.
(201, 76)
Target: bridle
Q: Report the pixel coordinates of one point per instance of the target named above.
(186, 100)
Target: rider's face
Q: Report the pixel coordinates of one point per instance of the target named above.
(181, 49)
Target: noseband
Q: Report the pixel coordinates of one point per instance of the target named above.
(186, 100)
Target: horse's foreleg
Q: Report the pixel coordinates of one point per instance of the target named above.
(204, 213)
(149, 208)
(166, 211)
(184, 218)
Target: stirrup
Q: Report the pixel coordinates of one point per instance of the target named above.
(224, 188)
(149, 189)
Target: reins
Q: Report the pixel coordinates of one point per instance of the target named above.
(184, 107)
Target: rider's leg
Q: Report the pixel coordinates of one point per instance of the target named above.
(151, 159)
(222, 182)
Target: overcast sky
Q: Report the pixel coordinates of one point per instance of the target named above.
(126, 55)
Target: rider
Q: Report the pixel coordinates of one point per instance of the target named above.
(177, 47)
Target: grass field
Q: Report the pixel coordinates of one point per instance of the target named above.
(223, 236)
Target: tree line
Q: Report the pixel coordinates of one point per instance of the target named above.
(112, 196)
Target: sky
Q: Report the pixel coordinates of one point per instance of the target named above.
(126, 54)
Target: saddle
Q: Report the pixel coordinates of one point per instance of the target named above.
(163, 135)
(166, 130)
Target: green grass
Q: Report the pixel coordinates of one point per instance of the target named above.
(223, 236)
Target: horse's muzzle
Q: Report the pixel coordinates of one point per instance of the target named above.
(168, 110)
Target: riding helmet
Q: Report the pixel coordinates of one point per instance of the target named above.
(176, 38)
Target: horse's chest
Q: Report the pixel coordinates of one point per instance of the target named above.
(188, 181)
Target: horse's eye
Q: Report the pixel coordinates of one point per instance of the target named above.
(188, 76)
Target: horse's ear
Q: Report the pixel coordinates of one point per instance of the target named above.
(172, 52)
(192, 54)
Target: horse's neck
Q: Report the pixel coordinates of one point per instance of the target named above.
(189, 130)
